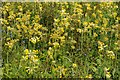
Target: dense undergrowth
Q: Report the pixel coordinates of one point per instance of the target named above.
(56, 40)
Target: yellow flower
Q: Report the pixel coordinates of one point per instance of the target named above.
(96, 21)
(35, 58)
(34, 40)
(94, 15)
(89, 8)
(100, 45)
(9, 44)
(26, 51)
(89, 76)
(74, 65)
(35, 51)
(108, 75)
(25, 57)
(73, 47)
(111, 54)
(54, 36)
(56, 44)
(95, 34)
(114, 14)
(106, 39)
(20, 8)
(106, 69)
(79, 30)
(85, 23)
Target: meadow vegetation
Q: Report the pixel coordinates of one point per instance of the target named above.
(60, 40)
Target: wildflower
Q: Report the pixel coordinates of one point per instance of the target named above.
(26, 51)
(79, 30)
(89, 8)
(100, 45)
(111, 54)
(73, 47)
(63, 71)
(20, 8)
(114, 14)
(34, 40)
(73, 41)
(34, 58)
(108, 75)
(53, 62)
(9, 28)
(94, 15)
(85, 23)
(106, 69)
(95, 34)
(9, 44)
(35, 51)
(96, 21)
(51, 56)
(106, 39)
(25, 57)
(74, 65)
(56, 44)
(89, 76)
(54, 36)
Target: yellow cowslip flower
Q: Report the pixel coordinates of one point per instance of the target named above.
(99, 11)
(9, 44)
(89, 76)
(101, 15)
(40, 26)
(118, 18)
(8, 28)
(96, 21)
(106, 38)
(26, 51)
(34, 58)
(51, 56)
(73, 47)
(95, 34)
(56, 20)
(114, 14)
(37, 16)
(89, 8)
(74, 65)
(73, 41)
(94, 15)
(100, 43)
(62, 38)
(87, 4)
(53, 62)
(79, 30)
(85, 23)
(80, 6)
(25, 57)
(108, 75)
(54, 36)
(34, 39)
(20, 8)
(35, 51)
(72, 28)
(56, 44)
(111, 54)
(24, 27)
(64, 71)
(106, 69)
(94, 7)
